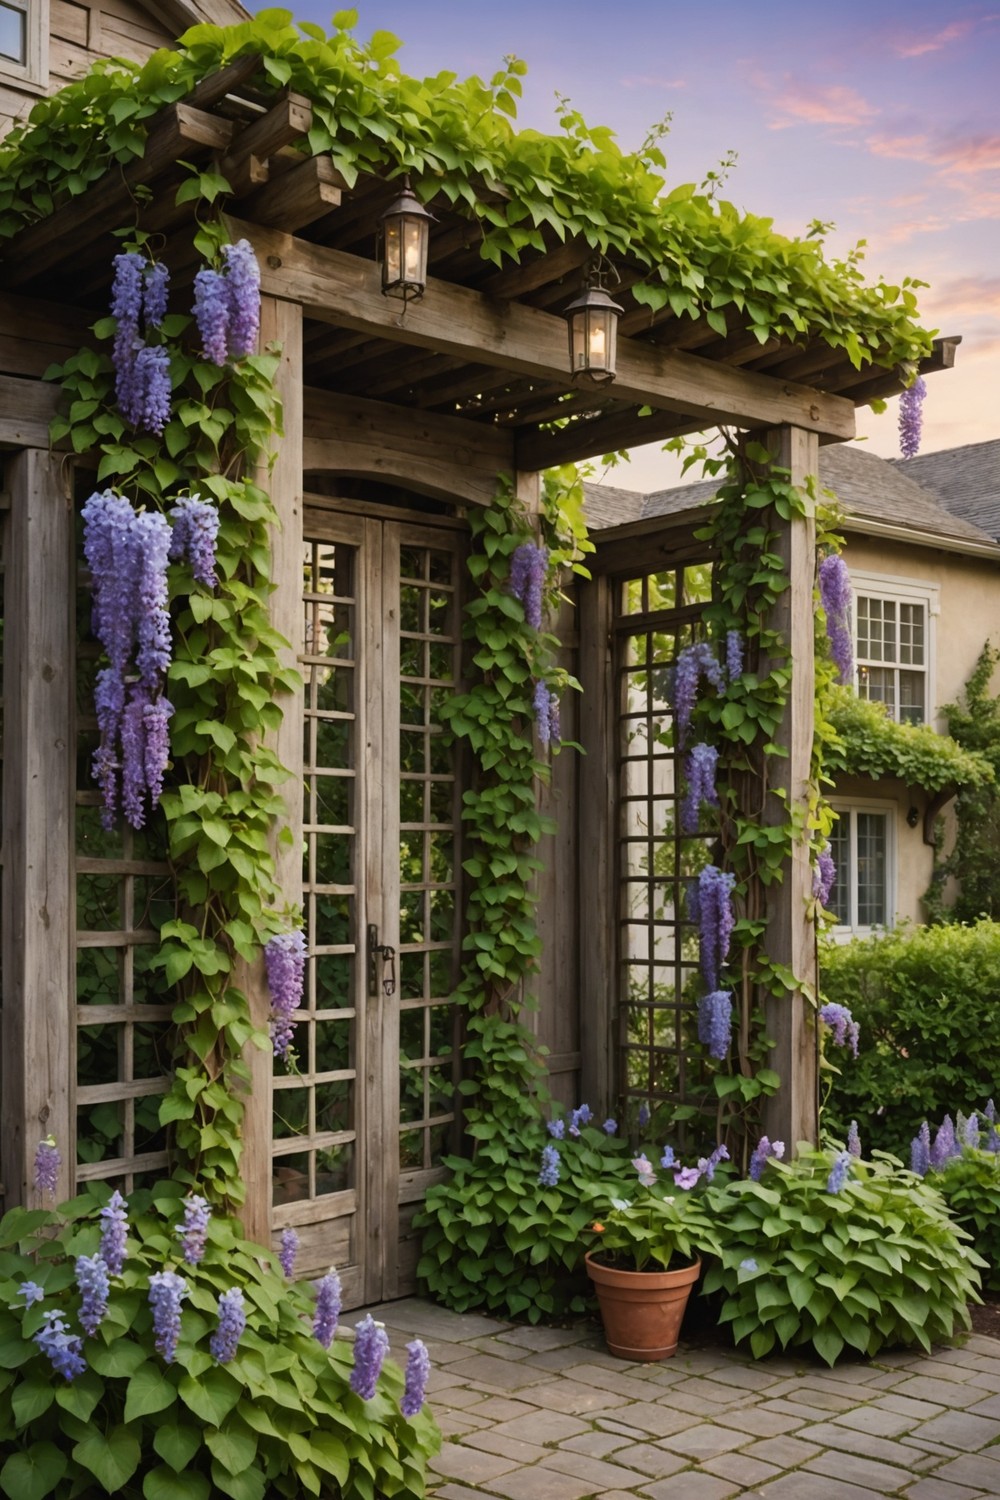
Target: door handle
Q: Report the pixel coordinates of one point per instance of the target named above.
(380, 954)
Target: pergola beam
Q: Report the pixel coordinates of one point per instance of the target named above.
(334, 287)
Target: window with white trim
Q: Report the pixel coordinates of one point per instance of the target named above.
(862, 844)
(24, 37)
(893, 625)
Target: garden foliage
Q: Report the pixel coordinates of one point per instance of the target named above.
(277, 1418)
(974, 862)
(970, 1185)
(928, 1003)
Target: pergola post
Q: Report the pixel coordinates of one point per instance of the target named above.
(281, 324)
(38, 1030)
(792, 1114)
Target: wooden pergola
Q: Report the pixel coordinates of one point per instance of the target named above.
(390, 418)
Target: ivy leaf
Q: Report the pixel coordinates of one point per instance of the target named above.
(112, 1459)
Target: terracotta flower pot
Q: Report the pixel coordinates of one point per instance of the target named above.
(642, 1311)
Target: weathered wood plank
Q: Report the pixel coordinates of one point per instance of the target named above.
(286, 121)
(345, 289)
(35, 333)
(598, 434)
(380, 664)
(792, 1114)
(38, 1069)
(281, 324)
(297, 197)
(26, 409)
(440, 456)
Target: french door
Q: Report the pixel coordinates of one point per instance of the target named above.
(366, 1113)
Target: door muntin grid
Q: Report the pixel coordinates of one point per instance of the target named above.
(315, 1099)
(429, 829)
(659, 988)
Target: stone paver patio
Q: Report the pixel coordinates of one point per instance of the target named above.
(547, 1414)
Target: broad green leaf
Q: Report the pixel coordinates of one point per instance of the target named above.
(148, 1391)
(177, 1443)
(112, 1459)
(164, 1484)
(33, 1474)
(211, 1397)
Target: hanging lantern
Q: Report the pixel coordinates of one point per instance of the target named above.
(593, 334)
(405, 236)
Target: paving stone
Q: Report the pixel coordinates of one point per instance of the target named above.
(458, 1462)
(430, 1321)
(502, 1408)
(805, 1486)
(499, 1348)
(975, 1470)
(541, 1484)
(600, 1475)
(542, 1427)
(746, 1377)
(952, 1368)
(930, 1388)
(939, 1489)
(458, 1423)
(596, 1444)
(802, 1393)
(515, 1449)
(502, 1374)
(761, 1421)
(867, 1473)
(611, 1380)
(457, 1396)
(919, 1410)
(866, 1444)
(741, 1469)
(571, 1396)
(440, 1379)
(702, 1389)
(799, 1409)
(705, 1441)
(655, 1421)
(786, 1452)
(457, 1492)
(876, 1420)
(692, 1486)
(959, 1429)
(650, 1459)
(988, 1408)
(541, 1339)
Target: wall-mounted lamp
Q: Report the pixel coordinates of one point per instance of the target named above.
(405, 236)
(593, 331)
(912, 817)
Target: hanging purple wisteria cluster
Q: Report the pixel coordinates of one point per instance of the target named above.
(846, 1031)
(700, 766)
(837, 598)
(227, 305)
(528, 567)
(142, 370)
(547, 717)
(710, 905)
(693, 663)
(128, 551)
(911, 417)
(824, 876)
(285, 962)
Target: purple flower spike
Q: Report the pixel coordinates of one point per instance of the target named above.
(166, 1292)
(211, 313)
(920, 1151)
(557, 1129)
(242, 279)
(721, 1153)
(418, 1369)
(64, 1350)
(945, 1144)
(542, 704)
(232, 1322)
(911, 417)
(193, 1230)
(285, 962)
(699, 769)
(371, 1345)
(47, 1164)
(837, 598)
(824, 876)
(846, 1031)
(327, 1311)
(715, 1017)
(971, 1133)
(694, 662)
(838, 1176)
(763, 1152)
(113, 1235)
(194, 536)
(548, 1176)
(155, 291)
(92, 1279)
(853, 1139)
(528, 567)
(734, 655)
(289, 1250)
(715, 921)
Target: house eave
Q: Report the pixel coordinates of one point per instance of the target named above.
(915, 537)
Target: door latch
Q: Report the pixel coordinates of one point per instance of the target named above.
(380, 954)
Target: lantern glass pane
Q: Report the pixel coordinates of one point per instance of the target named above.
(598, 339)
(414, 254)
(393, 253)
(578, 341)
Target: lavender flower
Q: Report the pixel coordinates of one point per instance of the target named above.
(846, 1031)
(63, 1349)
(549, 1173)
(288, 1251)
(193, 1230)
(715, 1016)
(166, 1292)
(824, 876)
(327, 1311)
(194, 536)
(232, 1321)
(610, 1127)
(911, 417)
(749, 1264)
(853, 1139)
(541, 702)
(156, 747)
(715, 921)
(668, 1158)
(709, 1164)
(418, 1369)
(31, 1292)
(155, 291)
(242, 278)
(687, 1177)
(971, 1133)
(838, 1176)
(47, 1164)
(699, 770)
(836, 597)
(920, 1151)
(694, 662)
(528, 567)
(211, 313)
(92, 1280)
(644, 1168)
(149, 400)
(556, 1129)
(126, 309)
(734, 655)
(945, 1144)
(114, 1232)
(371, 1345)
(285, 962)
(763, 1151)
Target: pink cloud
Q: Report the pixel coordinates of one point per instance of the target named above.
(974, 296)
(918, 46)
(968, 155)
(898, 234)
(836, 105)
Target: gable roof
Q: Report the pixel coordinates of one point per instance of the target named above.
(879, 496)
(966, 481)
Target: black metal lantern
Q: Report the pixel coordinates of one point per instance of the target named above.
(405, 239)
(593, 334)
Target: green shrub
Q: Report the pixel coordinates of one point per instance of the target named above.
(928, 1003)
(878, 1263)
(278, 1419)
(970, 1185)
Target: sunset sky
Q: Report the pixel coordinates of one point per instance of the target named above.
(882, 117)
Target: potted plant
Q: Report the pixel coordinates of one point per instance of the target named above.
(648, 1257)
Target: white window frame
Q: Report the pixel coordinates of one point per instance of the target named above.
(849, 809)
(33, 74)
(902, 591)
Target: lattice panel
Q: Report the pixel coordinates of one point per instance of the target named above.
(429, 813)
(314, 1096)
(658, 615)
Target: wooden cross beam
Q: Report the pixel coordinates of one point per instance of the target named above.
(345, 290)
